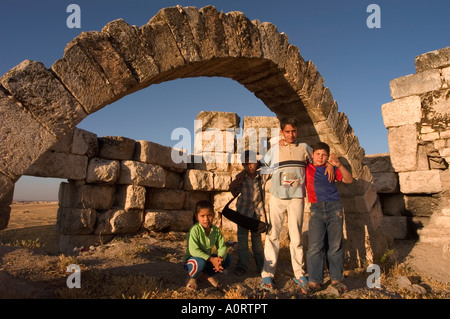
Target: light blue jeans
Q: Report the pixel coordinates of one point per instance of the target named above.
(325, 230)
(243, 251)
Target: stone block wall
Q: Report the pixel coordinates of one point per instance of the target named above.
(418, 123)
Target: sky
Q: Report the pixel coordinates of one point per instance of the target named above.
(357, 60)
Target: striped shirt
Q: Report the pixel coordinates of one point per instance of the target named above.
(250, 202)
(287, 166)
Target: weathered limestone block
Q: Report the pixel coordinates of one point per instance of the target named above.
(142, 174)
(312, 91)
(84, 78)
(177, 20)
(193, 197)
(421, 205)
(213, 140)
(99, 47)
(64, 145)
(154, 153)
(72, 195)
(174, 220)
(44, 96)
(222, 181)
(407, 110)
(216, 120)
(119, 221)
(296, 68)
(160, 44)
(84, 143)
(433, 60)
(446, 76)
(415, 84)
(395, 226)
(198, 180)
(274, 44)
(361, 203)
(59, 165)
(386, 182)
(116, 147)
(393, 204)
(5, 208)
(76, 221)
(221, 199)
(173, 180)
(168, 199)
(22, 140)
(126, 40)
(242, 35)
(436, 110)
(103, 171)
(210, 33)
(198, 162)
(6, 186)
(5, 213)
(420, 182)
(215, 160)
(157, 220)
(130, 197)
(403, 147)
(378, 163)
(181, 220)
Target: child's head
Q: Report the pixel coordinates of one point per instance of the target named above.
(249, 162)
(289, 129)
(204, 212)
(321, 153)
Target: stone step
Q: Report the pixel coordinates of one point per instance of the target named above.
(433, 231)
(435, 239)
(440, 221)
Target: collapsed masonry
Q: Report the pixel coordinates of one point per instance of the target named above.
(418, 123)
(40, 106)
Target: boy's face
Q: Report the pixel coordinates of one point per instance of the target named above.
(250, 168)
(320, 157)
(205, 217)
(289, 133)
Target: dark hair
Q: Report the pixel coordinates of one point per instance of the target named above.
(249, 156)
(202, 205)
(321, 146)
(288, 120)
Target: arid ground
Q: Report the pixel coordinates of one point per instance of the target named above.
(149, 266)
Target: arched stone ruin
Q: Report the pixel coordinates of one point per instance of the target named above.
(40, 106)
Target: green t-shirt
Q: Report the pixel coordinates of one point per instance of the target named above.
(200, 245)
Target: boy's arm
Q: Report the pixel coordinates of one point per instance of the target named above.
(220, 245)
(236, 184)
(347, 177)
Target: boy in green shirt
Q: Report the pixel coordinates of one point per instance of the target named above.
(202, 237)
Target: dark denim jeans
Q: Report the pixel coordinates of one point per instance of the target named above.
(325, 224)
(243, 251)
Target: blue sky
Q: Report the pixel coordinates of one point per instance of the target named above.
(357, 62)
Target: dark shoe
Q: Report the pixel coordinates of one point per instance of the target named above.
(239, 271)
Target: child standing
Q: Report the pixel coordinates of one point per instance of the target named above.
(326, 219)
(250, 203)
(286, 162)
(202, 237)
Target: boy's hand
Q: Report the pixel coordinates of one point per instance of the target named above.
(217, 263)
(334, 160)
(330, 172)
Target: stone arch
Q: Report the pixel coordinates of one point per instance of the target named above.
(39, 106)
